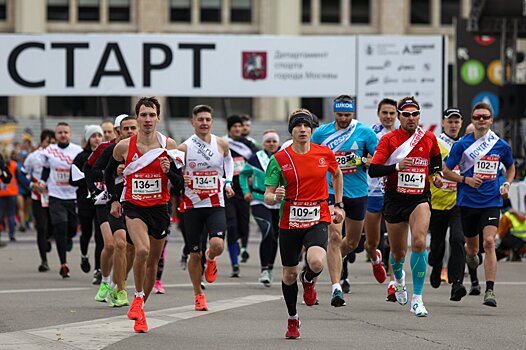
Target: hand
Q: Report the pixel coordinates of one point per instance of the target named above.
(504, 190)
(229, 191)
(337, 215)
(120, 169)
(474, 182)
(116, 209)
(406, 163)
(437, 180)
(279, 194)
(248, 196)
(187, 179)
(165, 164)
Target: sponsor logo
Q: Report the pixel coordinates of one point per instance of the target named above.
(191, 164)
(286, 167)
(419, 161)
(254, 65)
(372, 80)
(322, 161)
(135, 157)
(417, 49)
(492, 218)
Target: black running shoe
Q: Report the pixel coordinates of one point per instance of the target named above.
(64, 271)
(434, 277)
(235, 271)
(43, 267)
(458, 291)
(85, 265)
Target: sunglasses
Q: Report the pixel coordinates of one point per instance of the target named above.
(410, 114)
(481, 116)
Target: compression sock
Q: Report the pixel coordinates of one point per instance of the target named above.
(418, 270)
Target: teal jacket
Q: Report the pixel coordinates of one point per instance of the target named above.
(255, 168)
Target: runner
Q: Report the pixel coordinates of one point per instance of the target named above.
(445, 214)
(108, 130)
(57, 160)
(147, 171)
(252, 181)
(208, 173)
(351, 141)
(479, 155)
(406, 156)
(296, 177)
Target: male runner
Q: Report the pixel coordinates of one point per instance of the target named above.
(479, 193)
(108, 130)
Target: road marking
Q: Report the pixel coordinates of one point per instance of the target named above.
(100, 333)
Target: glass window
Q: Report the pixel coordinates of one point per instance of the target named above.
(57, 10)
(330, 11)
(241, 11)
(211, 11)
(119, 10)
(3, 105)
(88, 10)
(448, 10)
(3, 9)
(360, 11)
(305, 11)
(420, 11)
(88, 106)
(180, 10)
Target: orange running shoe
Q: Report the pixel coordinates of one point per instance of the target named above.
(136, 312)
(200, 302)
(443, 275)
(140, 325)
(211, 269)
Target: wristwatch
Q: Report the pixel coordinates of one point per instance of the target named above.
(339, 205)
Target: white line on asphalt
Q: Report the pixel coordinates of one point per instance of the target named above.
(97, 334)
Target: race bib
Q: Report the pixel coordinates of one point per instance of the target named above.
(304, 214)
(239, 163)
(487, 167)
(348, 162)
(62, 177)
(146, 186)
(450, 186)
(205, 182)
(412, 180)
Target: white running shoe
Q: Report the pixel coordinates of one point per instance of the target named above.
(418, 308)
(401, 291)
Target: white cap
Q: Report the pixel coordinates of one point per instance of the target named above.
(89, 130)
(118, 120)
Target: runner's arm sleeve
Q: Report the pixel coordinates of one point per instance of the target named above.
(435, 164)
(109, 178)
(244, 175)
(176, 177)
(229, 167)
(45, 174)
(88, 175)
(379, 170)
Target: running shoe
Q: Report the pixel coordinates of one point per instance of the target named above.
(44, 267)
(443, 275)
(434, 277)
(309, 292)
(458, 291)
(475, 289)
(244, 255)
(97, 277)
(211, 268)
(235, 271)
(401, 291)
(103, 293)
(472, 261)
(136, 312)
(69, 244)
(490, 299)
(64, 271)
(158, 287)
(391, 296)
(293, 329)
(418, 308)
(378, 268)
(85, 265)
(140, 325)
(337, 298)
(200, 302)
(118, 298)
(346, 286)
(265, 278)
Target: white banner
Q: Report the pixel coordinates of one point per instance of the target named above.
(176, 65)
(399, 66)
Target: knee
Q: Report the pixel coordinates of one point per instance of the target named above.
(316, 265)
(290, 276)
(418, 244)
(489, 244)
(195, 258)
(110, 247)
(335, 238)
(120, 245)
(142, 252)
(398, 254)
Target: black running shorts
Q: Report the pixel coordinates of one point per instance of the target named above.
(155, 217)
(203, 221)
(291, 242)
(475, 219)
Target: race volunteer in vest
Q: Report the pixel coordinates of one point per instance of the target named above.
(512, 232)
(386, 113)
(252, 181)
(33, 168)
(57, 159)
(237, 209)
(85, 208)
(406, 156)
(150, 161)
(208, 178)
(296, 177)
(350, 141)
(124, 252)
(8, 194)
(479, 193)
(445, 214)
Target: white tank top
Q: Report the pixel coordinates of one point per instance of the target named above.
(205, 163)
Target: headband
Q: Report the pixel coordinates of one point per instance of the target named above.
(343, 107)
(299, 119)
(271, 136)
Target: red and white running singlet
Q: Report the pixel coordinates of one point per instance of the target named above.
(204, 162)
(147, 186)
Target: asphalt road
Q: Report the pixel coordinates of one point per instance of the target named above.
(44, 311)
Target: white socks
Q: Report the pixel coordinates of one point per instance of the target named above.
(336, 286)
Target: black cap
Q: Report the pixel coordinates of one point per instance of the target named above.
(452, 111)
(233, 119)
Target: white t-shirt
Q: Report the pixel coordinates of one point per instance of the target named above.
(59, 161)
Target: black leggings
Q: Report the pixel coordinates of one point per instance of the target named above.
(268, 222)
(43, 226)
(238, 220)
(88, 220)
